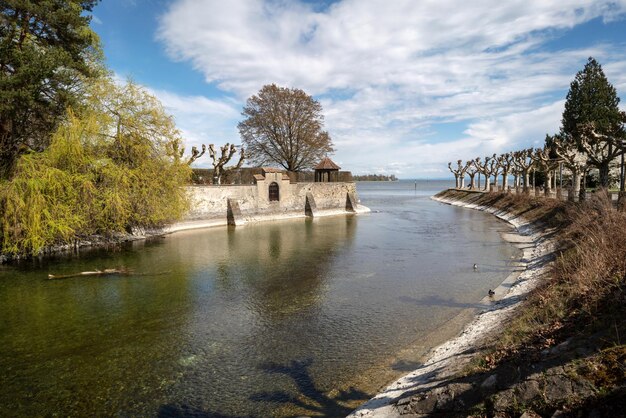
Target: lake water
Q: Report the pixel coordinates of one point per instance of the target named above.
(272, 319)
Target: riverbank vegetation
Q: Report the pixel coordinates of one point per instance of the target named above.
(111, 166)
(565, 349)
(81, 153)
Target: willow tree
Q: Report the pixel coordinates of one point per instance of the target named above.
(46, 51)
(284, 127)
(113, 166)
(592, 118)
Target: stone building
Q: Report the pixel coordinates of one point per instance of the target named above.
(326, 171)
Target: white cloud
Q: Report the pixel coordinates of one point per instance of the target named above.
(202, 120)
(388, 72)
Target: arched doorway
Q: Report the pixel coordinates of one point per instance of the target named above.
(274, 192)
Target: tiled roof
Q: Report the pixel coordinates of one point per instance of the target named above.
(327, 164)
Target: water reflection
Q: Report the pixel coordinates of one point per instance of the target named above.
(273, 319)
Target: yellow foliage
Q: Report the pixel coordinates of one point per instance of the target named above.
(113, 166)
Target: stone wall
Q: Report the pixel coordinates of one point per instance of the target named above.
(211, 202)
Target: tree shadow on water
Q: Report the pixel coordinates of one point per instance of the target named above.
(309, 398)
(188, 411)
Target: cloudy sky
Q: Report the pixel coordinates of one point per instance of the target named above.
(406, 85)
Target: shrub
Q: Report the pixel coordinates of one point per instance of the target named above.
(112, 166)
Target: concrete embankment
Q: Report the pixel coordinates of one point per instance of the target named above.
(447, 360)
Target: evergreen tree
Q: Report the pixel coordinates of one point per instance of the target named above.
(592, 119)
(46, 47)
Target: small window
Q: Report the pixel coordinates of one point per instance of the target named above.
(274, 192)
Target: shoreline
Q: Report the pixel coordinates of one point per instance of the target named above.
(216, 222)
(100, 241)
(448, 359)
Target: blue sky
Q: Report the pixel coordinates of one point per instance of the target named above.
(406, 85)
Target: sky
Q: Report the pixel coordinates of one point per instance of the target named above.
(406, 85)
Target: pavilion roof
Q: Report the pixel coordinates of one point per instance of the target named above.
(327, 164)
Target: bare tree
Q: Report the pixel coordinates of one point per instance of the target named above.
(456, 174)
(195, 154)
(483, 168)
(472, 170)
(459, 172)
(219, 161)
(574, 160)
(494, 170)
(547, 164)
(505, 161)
(284, 127)
(601, 149)
(524, 162)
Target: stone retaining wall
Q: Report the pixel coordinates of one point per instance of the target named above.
(211, 202)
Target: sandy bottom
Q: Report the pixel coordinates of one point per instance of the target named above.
(445, 360)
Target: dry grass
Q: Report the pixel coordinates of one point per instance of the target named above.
(585, 294)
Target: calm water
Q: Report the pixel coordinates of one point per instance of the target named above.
(273, 319)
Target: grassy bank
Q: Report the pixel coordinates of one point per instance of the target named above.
(563, 352)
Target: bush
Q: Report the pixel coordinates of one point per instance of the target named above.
(113, 166)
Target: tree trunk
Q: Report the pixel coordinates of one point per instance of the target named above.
(505, 180)
(526, 181)
(604, 174)
(582, 195)
(621, 202)
(472, 185)
(548, 184)
(487, 183)
(574, 191)
(463, 181)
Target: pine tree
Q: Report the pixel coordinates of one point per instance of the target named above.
(592, 119)
(46, 47)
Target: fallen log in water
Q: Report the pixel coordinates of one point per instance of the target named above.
(122, 271)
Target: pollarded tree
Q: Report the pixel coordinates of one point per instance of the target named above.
(472, 170)
(593, 119)
(459, 172)
(219, 161)
(574, 160)
(492, 169)
(524, 163)
(546, 162)
(455, 172)
(483, 168)
(46, 49)
(505, 161)
(284, 127)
